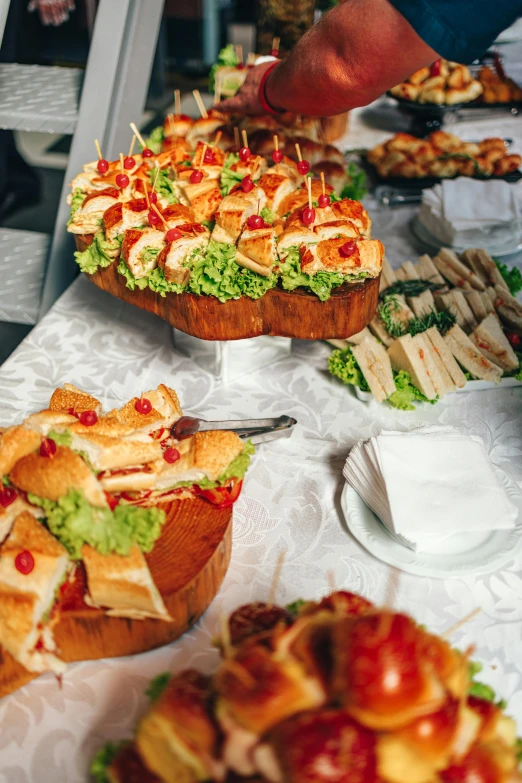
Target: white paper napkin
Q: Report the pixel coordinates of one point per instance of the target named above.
(466, 212)
(428, 485)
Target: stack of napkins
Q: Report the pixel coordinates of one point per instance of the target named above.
(429, 484)
(468, 213)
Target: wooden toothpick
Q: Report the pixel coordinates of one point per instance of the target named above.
(177, 102)
(251, 58)
(239, 53)
(138, 134)
(122, 167)
(171, 124)
(276, 43)
(309, 186)
(331, 581)
(298, 150)
(218, 138)
(276, 577)
(98, 148)
(158, 213)
(133, 142)
(460, 623)
(323, 184)
(236, 137)
(201, 105)
(245, 138)
(276, 145)
(155, 179)
(205, 147)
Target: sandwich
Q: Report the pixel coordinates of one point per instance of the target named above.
(493, 343)
(424, 303)
(376, 367)
(210, 465)
(89, 217)
(166, 409)
(455, 302)
(256, 249)
(295, 237)
(177, 125)
(448, 264)
(447, 360)
(176, 254)
(413, 355)
(52, 477)
(140, 250)
(378, 329)
(28, 598)
(204, 128)
(233, 213)
(47, 420)
(72, 400)
(211, 162)
(254, 167)
(477, 304)
(469, 356)
(428, 271)
(178, 739)
(123, 585)
(276, 186)
(124, 215)
(8, 513)
(177, 215)
(228, 79)
(507, 306)
(334, 173)
(329, 255)
(204, 198)
(481, 263)
(388, 276)
(15, 443)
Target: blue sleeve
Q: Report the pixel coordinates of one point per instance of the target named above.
(459, 30)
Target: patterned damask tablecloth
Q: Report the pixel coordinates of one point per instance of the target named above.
(290, 502)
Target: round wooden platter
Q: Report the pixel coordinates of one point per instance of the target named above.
(279, 313)
(188, 564)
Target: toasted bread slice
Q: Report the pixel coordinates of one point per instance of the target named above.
(449, 265)
(45, 421)
(123, 585)
(468, 355)
(493, 343)
(71, 399)
(52, 478)
(25, 599)
(105, 453)
(378, 329)
(405, 354)
(376, 367)
(15, 443)
(446, 357)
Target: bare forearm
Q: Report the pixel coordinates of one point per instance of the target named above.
(354, 54)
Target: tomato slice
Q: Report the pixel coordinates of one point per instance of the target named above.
(223, 496)
(111, 500)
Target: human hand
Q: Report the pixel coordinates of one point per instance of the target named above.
(247, 100)
(52, 12)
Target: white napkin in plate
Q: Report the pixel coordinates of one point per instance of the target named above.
(429, 484)
(464, 212)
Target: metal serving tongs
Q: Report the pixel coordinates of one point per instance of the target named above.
(256, 430)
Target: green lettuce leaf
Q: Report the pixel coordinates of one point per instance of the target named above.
(61, 438)
(216, 273)
(295, 607)
(321, 284)
(343, 365)
(512, 276)
(165, 186)
(75, 522)
(132, 282)
(269, 216)
(157, 686)
(96, 254)
(356, 187)
(236, 469)
(78, 197)
(103, 759)
(479, 689)
(150, 254)
(155, 140)
(227, 56)
(229, 178)
(406, 393)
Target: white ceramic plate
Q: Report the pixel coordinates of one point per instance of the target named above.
(479, 553)
(366, 396)
(430, 242)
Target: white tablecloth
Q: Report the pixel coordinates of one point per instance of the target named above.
(290, 502)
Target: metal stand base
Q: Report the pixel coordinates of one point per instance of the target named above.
(231, 359)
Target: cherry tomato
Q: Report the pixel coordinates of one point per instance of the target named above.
(48, 447)
(308, 216)
(24, 562)
(8, 495)
(154, 218)
(122, 181)
(435, 68)
(111, 500)
(171, 455)
(323, 200)
(173, 234)
(277, 156)
(244, 154)
(255, 221)
(303, 167)
(514, 339)
(103, 166)
(88, 418)
(129, 163)
(143, 405)
(196, 177)
(147, 153)
(348, 249)
(247, 184)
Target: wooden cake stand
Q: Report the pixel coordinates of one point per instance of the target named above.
(278, 313)
(188, 564)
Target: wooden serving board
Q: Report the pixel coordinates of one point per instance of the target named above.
(278, 313)
(188, 564)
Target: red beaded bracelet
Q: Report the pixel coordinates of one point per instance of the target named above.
(261, 92)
